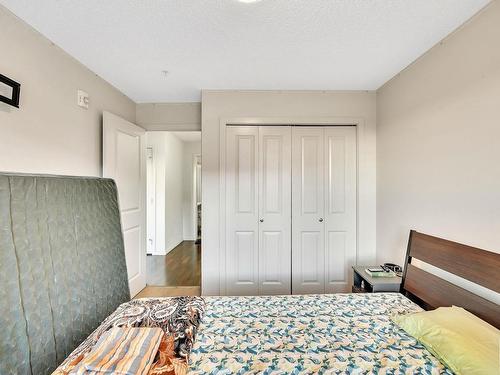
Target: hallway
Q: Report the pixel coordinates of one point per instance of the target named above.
(180, 267)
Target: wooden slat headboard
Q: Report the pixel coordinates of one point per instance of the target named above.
(478, 266)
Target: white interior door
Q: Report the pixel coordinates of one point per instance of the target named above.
(340, 207)
(308, 230)
(124, 160)
(275, 210)
(242, 229)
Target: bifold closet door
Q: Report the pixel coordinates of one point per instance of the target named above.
(258, 212)
(275, 210)
(323, 208)
(340, 207)
(242, 210)
(308, 231)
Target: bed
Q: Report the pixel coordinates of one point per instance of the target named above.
(304, 334)
(344, 333)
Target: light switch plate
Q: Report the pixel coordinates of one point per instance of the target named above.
(83, 99)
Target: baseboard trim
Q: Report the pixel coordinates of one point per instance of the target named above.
(169, 249)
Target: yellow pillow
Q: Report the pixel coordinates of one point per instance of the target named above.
(459, 339)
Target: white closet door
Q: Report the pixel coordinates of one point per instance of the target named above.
(308, 230)
(274, 210)
(340, 207)
(242, 228)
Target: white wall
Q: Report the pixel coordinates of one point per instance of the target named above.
(174, 187)
(156, 140)
(49, 133)
(438, 143)
(169, 116)
(299, 106)
(190, 150)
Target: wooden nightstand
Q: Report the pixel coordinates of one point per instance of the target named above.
(364, 283)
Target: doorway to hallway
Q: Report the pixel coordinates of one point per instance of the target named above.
(173, 264)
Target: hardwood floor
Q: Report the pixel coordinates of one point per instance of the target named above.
(168, 291)
(180, 267)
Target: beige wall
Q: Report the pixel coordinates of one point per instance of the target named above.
(438, 143)
(438, 151)
(169, 116)
(49, 133)
(287, 107)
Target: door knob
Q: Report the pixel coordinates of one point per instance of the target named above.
(261, 220)
(320, 219)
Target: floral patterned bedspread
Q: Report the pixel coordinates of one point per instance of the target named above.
(326, 334)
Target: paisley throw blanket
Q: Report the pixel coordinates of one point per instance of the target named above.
(179, 317)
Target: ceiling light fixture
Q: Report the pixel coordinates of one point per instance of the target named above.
(249, 1)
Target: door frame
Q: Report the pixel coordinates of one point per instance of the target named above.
(362, 236)
(150, 188)
(194, 208)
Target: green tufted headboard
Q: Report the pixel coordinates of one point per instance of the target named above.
(62, 267)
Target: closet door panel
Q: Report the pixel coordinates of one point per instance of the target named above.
(311, 262)
(274, 210)
(244, 254)
(340, 206)
(311, 194)
(336, 257)
(242, 236)
(271, 167)
(308, 242)
(272, 272)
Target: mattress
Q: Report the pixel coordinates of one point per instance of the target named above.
(334, 334)
(62, 266)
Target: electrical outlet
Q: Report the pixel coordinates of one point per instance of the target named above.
(83, 99)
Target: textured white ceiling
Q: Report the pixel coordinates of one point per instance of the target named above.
(227, 44)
